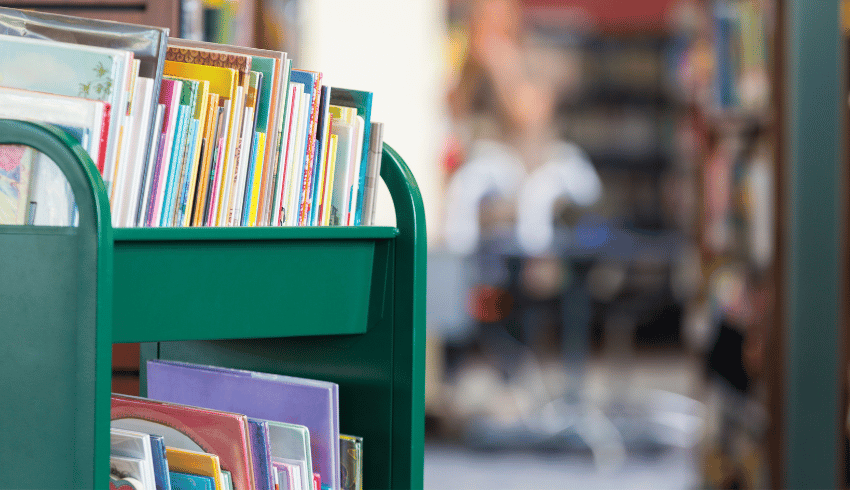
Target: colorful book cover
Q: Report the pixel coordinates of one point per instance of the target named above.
(211, 130)
(312, 85)
(299, 160)
(272, 203)
(328, 193)
(214, 184)
(291, 442)
(252, 208)
(345, 155)
(72, 70)
(170, 97)
(140, 210)
(322, 134)
(188, 481)
(148, 44)
(16, 164)
(247, 149)
(351, 462)
(196, 429)
(279, 79)
(258, 431)
(91, 115)
(160, 463)
(311, 403)
(131, 444)
(210, 57)
(195, 463)
(178, 146)
(362, 101)
(284, 169)
(182, 150)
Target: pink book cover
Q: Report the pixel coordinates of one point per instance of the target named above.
(221, 433)
(169, 95)
(307, 178)
(104, 137)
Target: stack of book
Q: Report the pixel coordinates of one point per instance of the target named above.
(184, 133)
(207, 427)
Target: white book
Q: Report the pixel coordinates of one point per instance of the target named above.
(353, 179)
(133, 152)
(237, 196)
(289, 139)
(137, 446)
(161, 177)
(299, 156)
(141, 205)
(346, 134)
(220, 163)
(231, 162)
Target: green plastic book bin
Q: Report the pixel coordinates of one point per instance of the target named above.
(342, 304)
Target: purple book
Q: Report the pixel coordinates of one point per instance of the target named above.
(258, 432)
(307, 402)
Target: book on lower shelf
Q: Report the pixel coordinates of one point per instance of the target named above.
(247, 427)
(238, 143)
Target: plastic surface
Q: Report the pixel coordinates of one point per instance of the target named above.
(55, 300)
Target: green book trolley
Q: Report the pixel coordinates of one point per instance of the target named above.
(341, 304)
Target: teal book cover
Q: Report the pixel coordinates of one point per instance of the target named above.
(177, 148)
(362, 101)
(186, 179)
(186, 481)
(185, 150)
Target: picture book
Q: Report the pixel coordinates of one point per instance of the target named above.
(160, 463)
(362, 101)
(147, 43)
(188, 481)
(195, 463)
(351, 462)
(311, 403)
(136, 445)
(196, 429)
(312, 86)
(16, 163)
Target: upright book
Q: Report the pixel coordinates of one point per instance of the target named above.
(311, 403)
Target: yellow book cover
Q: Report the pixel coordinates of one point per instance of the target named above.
(210, 130)
(346, 114)
(258, 179)
(201, 110)
(196, 463)
(224, 82)
(328, 183)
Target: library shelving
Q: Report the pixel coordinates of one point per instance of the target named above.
(341, 304)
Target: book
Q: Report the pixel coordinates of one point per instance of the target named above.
(312, 86)
(195, 463)
(160, 463)
(351, 462)
(311, 403)
(261, 456)
(135, 445)
(362, 102)
(370, 193)
(216, 432)
(169, 97)
(188, 481)
(147, 43)
(129, 180)
(89, 118)
(73, 70)
(16, 164)
(291, 442)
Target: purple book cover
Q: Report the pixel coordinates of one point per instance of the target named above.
(306, 402)
(258, 432)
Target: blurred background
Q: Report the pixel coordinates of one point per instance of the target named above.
(600, 184)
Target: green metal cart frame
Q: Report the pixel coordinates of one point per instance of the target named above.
(343, 304)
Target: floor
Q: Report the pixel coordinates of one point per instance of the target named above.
(450, 466)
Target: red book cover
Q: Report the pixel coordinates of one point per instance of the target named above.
(222, 433)
(104, 137)
(312, 81)
(317, 482)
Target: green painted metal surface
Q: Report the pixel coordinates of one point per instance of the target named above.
(273, 282)
(814, 56)
(55, 313)
(378, 363)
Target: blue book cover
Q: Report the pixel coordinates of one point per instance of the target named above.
(186, 179)
(186, 481)
(362, 101)
(258, 432)
(321, 149)
(174, 165)
(160, 463)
